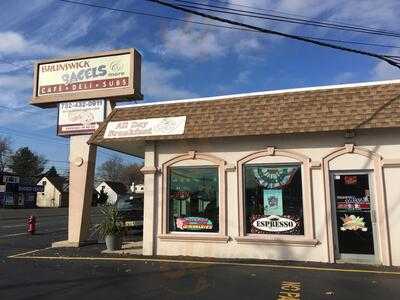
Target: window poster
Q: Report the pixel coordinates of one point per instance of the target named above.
(273, 202)
(193, 199)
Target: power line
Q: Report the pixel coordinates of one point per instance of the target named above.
(216, 25)
(389, 59)
(334, 21)
(48, 160)
(272, 17)
(35, 137)
(15, 65)
(20, 108)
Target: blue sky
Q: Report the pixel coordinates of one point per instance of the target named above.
(180, 60)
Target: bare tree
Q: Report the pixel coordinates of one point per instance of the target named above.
(115, 169)
(111, 169)
(131, 173)
(5, 152)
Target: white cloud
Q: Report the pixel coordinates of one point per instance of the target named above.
(384, 71)
(184, 39)
(15, 82)
(158, 82)
(243, 77)
(344, 77)
(191, 43)
(12, 42)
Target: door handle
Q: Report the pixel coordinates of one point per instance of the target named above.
(373, 216)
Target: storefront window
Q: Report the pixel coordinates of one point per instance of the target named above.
(193, 199)
(273, 199)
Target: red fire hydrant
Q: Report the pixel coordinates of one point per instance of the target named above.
(31, 224)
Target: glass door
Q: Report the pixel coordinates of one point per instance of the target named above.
(354, 216)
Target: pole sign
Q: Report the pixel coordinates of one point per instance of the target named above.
(113, 74)
(80, 117)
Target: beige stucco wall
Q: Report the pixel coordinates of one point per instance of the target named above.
(50, 197)
(392, 191)
(386, 143)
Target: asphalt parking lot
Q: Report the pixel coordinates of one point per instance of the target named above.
(30, 270)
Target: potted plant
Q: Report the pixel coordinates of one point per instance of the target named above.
(110, 228)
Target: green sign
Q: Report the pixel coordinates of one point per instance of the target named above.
(273, 202)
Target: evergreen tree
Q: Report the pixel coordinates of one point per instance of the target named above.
(27, 164)
(52, 172)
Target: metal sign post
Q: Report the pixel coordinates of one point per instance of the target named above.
(85, 89)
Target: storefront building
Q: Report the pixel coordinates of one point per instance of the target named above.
(306, 174)
(14, 193)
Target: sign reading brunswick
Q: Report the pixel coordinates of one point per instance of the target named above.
(146, 127)
(80, 117)
(113, 74)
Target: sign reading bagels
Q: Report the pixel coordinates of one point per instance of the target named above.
(274, 224)
(102, 75)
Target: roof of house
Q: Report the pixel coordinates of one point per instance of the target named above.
(116, 186)
(319, 109)
(59, 182)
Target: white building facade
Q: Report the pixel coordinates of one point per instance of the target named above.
(55, 192)
(114, 190)
(307, 174)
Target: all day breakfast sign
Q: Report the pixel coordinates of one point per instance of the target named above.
(113, 74)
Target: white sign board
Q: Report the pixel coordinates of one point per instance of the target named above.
(105, 75)
(10, 179)
(146, 127)
(2, 188)
(97, 73)
(80, 117)
(274, 224)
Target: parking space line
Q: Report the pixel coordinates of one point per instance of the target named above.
(13, 234)
(13, 226)
(27, 252)
(22, 256)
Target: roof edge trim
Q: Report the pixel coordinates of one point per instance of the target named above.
(272, 92)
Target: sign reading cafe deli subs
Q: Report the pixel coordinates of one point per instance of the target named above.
(113, 74)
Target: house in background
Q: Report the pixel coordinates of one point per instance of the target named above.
(113, 189)
(55, 192)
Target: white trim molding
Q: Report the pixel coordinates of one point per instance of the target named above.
(308, 216)
(188, 236)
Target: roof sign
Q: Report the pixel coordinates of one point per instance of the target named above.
(146, 127)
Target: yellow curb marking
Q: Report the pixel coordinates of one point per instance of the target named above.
(22, 256)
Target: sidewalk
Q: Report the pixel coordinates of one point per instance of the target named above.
(132, 251)
(129, 248)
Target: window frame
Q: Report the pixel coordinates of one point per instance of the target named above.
(288, 164)
(193, 159)
(280, 155)
(169, 199)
